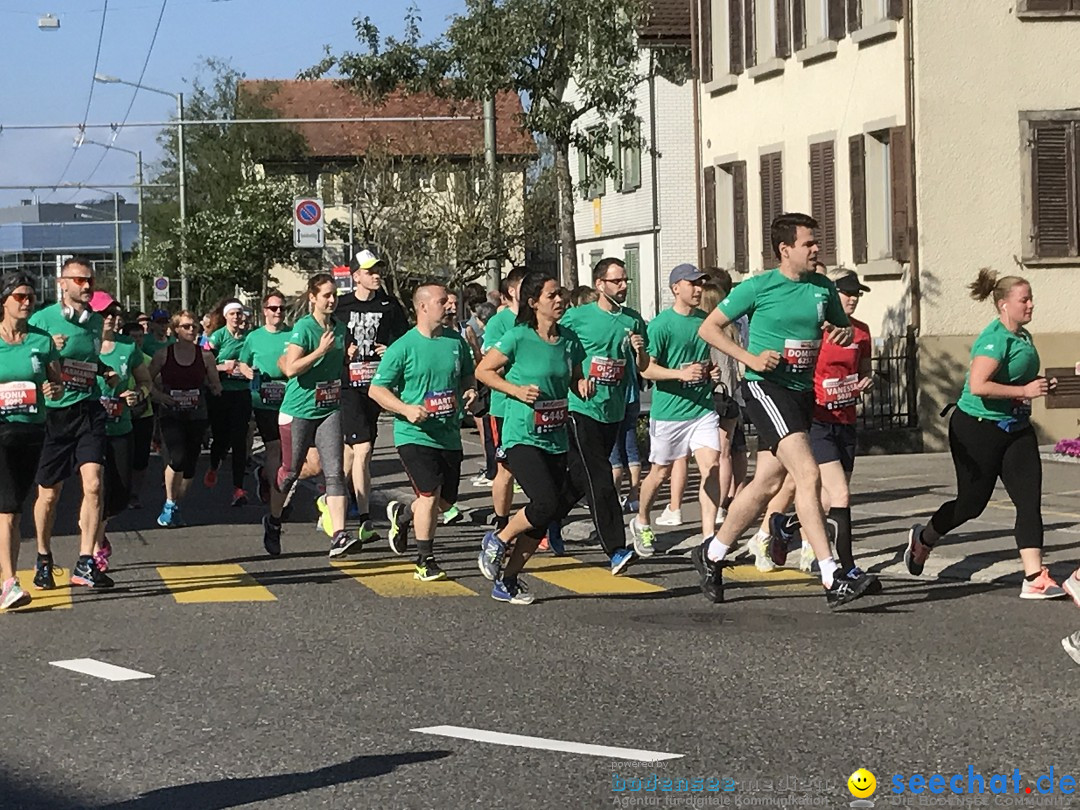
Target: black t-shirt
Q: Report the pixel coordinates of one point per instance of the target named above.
(379, 320)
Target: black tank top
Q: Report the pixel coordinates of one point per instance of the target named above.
(182, 378)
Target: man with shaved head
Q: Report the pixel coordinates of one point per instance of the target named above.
(426, 380)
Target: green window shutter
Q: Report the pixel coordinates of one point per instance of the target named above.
(634, 159)
(617, 157)
(583, 172)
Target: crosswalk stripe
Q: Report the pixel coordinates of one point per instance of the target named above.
(574, 575)
(395, 579)
(56, 599)
(192, 584)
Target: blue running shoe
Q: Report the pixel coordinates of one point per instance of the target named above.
(555, 539)
(490, 560)
(620, 560)
(168, 516)
(511, 590)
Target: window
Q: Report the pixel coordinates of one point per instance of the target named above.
(726, 238)
(632, 260)
(816, 21)
(823, 197)
(594, 257)
(772, 203)
(1048, 8)
(1051, 196)
(879, 190)
(590, 171)
(864, 13)
(626, 155)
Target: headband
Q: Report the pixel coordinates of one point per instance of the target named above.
(233, 307)
(11, 282)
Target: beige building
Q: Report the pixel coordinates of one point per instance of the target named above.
(927, 145)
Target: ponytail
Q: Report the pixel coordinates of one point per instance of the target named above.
(988, 284)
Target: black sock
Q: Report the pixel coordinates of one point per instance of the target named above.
(87, 558)
(45, 557)
(841, 516)
(500, 522)
(1032, 577)
(424, 549)
(922, 538)
(273, 521)
(364, 517)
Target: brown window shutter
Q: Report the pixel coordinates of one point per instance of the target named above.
(817, 190)
(749, 34)
(705, 26)
(1051, 5)
(837, 20)
(735, 36)
(739, 198)
(798, 24)
(772, 203)
(854, 15)
(899, 168)
(823, 198)
(709, 255)
(783, 29)
(857, 168)
(896, 10)
(1053, 178)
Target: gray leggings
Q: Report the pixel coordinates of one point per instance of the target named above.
(325, 435)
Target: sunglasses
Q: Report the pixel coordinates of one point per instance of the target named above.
(185, 326)
(22, 298)
(273, 309)
(82, 281)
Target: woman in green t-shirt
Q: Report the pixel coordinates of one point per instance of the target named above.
(991, 437)
(533, 364)
(29, 373)
(230, 412)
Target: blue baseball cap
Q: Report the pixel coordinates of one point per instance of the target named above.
(685, 272)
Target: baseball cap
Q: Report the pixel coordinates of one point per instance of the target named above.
(159, 315)
(365, 260)
(685, 272)
(849, 283)
(101, 301)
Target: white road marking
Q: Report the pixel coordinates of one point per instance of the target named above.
(521, 741)
(99, 669)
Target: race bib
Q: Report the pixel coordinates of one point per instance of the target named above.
(236, 373)
(840, 392)
(78, 376)
(18, 398)
(703, 381)
(271, 392)
(186, 400)
(1021, 408)
(607, 371)
(114, 408)
(361, 374)
(327, 394)
(440, 403)
(549, 415)
(801, 355)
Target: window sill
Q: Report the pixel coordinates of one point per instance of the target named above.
(885, 29)
(1051, 261)
(883, 269)
(721, 84)
(1048, 15)
(629, 189)
(766, 70)
(817, 52)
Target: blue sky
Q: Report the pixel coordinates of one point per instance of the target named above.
(45, 77)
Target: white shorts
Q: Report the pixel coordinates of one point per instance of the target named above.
(670, 441)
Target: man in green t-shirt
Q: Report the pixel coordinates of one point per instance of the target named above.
(790, 308)
(425, 379)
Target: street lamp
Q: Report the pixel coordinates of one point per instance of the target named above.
(105, 79)
(117, 247)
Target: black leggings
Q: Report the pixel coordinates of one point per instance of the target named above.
(142, 435)
(230, 414)
(183, 441)
(981, 453)
(547, 484)
(119, 458)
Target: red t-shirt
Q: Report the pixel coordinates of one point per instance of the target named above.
(836, 377)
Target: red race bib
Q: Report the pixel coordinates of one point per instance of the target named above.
(440, 403)
(840, 392)
(549, 415)
(114, 408)
(801, 355)
(78, 376)
(271, 392)
(186, 400)
(361, 374)
(327, 394)
(607, 371)
(18, 398)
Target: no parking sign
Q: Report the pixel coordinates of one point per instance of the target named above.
(308, 222)
(161, 289)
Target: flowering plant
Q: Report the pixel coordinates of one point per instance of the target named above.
(1068, 447)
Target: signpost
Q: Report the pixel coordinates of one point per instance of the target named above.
(343, 278)
(161, 289)
(308, 231)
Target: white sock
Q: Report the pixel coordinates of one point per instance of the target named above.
(716, 550)
(762, 536)
(828, 568)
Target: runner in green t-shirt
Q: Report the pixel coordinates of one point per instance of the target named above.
(425, 379)
(310, 413)
(792, 309)
(230, 413)
(29, 374)
(142, 419)
(262, 351)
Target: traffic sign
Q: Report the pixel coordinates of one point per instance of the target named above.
(161, 289)
(343, 278)
(308, 223)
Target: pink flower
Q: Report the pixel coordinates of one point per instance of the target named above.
(1068, 447)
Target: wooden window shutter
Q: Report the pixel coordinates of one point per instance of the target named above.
(772, 203)
(837, 20)
(798, 24)
(823, 197)
(617, 157)
(735, 36)
(783, 29)
(583, 173)
(740, 204)
(706, 55)
(899, 160)
(857, 168)
(1053, 178)
(895, 11)
(709, 255)
(749, 34)
(854, 15)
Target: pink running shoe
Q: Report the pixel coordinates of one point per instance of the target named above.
(101, 556)
(1043, 587)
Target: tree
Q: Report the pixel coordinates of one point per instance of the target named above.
(534, 47)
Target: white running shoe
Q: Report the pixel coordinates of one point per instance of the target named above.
(758, 546)
(670, 517)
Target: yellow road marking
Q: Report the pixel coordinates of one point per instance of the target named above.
(395, 579)
(784, 579)
(1051, 512)
(56, 599)
(578, 577)
(192, 584)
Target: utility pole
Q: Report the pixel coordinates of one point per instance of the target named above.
(118, 248)
(493, 262)
(142, 238)
(185, 288)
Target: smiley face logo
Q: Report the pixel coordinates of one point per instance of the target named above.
(862, 784)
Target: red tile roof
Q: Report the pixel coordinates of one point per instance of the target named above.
(328, 98)
(666, 21)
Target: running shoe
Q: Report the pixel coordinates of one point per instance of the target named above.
(620, 560)
(711, 573)
(323, 522)
(845, 589)
(210, 479)
(12, 595)
(452, 515)
(543, 546)
(629, 507)
(644, 538)
(555, 540)
(807, 558)
(428, 571)
(779, 537)
(86, 573)
(721, 516)
(398, 536)
(512, 590)
(262, 484)
(342, 542)
(670, 517)
(1043, 587)
(239, 497)
(874, 586)
(366, 532)
(917, 551)
(1071, 586)
(169, 514)
(101, 556)
(44, 571)
(271, 536)
(490, 560)
(482, 481)
(134, 502)
(1071, 645)
(758, 546)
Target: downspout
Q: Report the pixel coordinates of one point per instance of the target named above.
(695, 70)
(915, 325)
(655, 182)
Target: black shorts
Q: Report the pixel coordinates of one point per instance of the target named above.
(496, 433)
(73, 436)
(832, 441)
(359, 416)
(432, 468)
(266, 421)
(20, 450)
(777, 412)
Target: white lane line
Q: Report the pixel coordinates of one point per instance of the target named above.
(521, 741)
(99, 669)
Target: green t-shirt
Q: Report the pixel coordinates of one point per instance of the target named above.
(227, 347)
(609, 357)
(531, 360)
(123, 359)
(501, 323)
(317, 392)
(22, 371)
(78, 358)
(674, 344)
(427, 371)
(262, 350)
(151, 344)
(786, 316)
(1018, 364)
